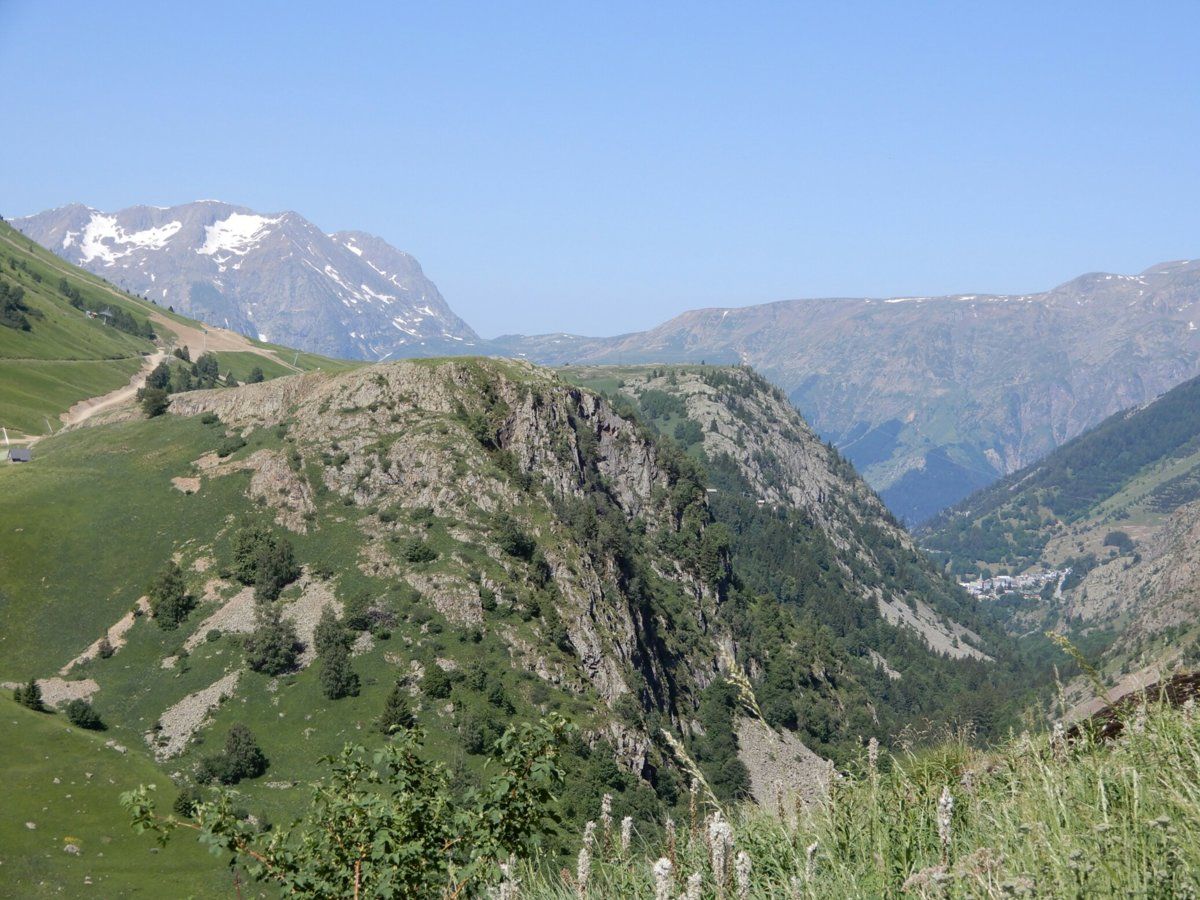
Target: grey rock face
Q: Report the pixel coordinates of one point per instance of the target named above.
(274, 277)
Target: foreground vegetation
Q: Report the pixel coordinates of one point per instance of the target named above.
(1047, 816)
(1042, 816)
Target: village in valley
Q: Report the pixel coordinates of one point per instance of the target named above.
(1027, 585)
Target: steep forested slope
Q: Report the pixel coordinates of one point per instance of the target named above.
(901, 640)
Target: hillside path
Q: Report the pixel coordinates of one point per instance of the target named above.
(85, 409)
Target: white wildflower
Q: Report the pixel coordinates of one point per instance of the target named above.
(695, 886)
(662, 879)
(1058, 736)
(720, 845)
(508, 889)
(589, 834)
(583, 871)
(945, 812)
(1139, 719)
(606, 819)
(873, 753)
(626, 833)
(742, 870)
(1189, 709)
(968, 781)
(810, 861)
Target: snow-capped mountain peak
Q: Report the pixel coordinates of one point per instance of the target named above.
(347, 294)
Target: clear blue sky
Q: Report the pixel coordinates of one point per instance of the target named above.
(600, 167)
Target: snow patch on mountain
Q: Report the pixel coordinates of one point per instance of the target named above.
(101, 228)
(238, 234)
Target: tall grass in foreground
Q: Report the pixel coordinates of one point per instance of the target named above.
(1038, 817)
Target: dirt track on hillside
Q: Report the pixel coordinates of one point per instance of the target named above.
(197, 340)
(85, 409)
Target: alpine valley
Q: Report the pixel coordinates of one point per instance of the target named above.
(1115, 515)
(278, 568)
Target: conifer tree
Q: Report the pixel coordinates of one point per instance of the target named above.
(29, 695)
(272, 648)
(397, 713)
(337, 678)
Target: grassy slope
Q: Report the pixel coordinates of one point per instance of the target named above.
(66, 569)
(66, 782)
(65, 357)
(67, 574)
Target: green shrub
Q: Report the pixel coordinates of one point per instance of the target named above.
(436, 684)
(155, 401)
(389, 823)
(230, 445)
(415, 550)
(241, 758)
(169, 599)
(81, 714)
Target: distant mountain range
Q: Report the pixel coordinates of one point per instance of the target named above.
(276, 277)
(930, 397)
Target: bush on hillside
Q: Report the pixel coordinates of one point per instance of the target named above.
(1119, 539)
(14, 313)
(391, 823)
(81, 714)
(155, 401)
(241, 758)
(170, 601)
(436, 684)
(263, 559)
